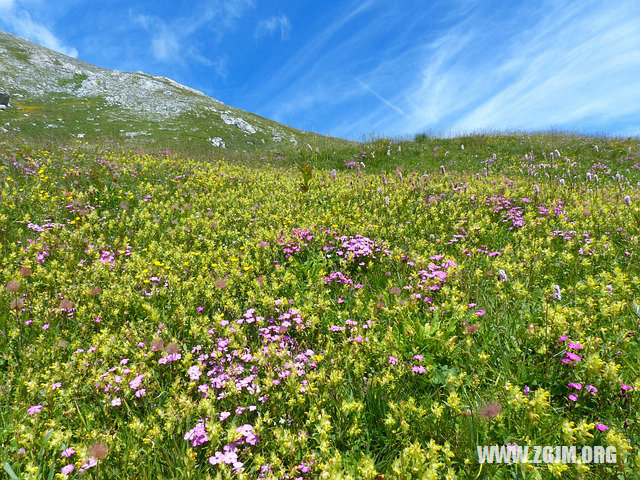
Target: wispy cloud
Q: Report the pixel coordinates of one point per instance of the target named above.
(579, 65)
(273, 25)
(165, 43)
(381, 98)
(479, 66)
(18, 19)
(171, 42)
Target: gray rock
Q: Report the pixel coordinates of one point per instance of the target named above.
(218, 142)
(4, 98)
(238, 122)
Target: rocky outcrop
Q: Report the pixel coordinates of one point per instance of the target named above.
(238, 122)
(4, 97)
(218, 142)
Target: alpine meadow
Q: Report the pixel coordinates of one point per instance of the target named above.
(192, 291)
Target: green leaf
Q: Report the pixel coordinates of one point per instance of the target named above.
(9, 470)
(52, 471)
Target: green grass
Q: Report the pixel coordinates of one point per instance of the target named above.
(75, 81)
(184, 241)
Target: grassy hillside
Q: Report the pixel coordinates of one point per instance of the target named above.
(370, 311)
(56, 97)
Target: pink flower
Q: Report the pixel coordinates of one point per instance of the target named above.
(571, 357)
(92, 462)
(577, 386)
(141, 393)
(563, 338)
(136, 382)
(194, 373)
(419, 369)
(67, 452)
(116, 402)
(591, 389)
(392, 360)
(479, 313)
(224, 415)
(34, 409)
(67, 469)
(574, 346)
(602, 427)
(247, 432)
(626, 387)
(45, 326)
(573, 397)
(418, 357)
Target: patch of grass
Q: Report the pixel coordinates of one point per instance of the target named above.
(74, 82)
(17, 52)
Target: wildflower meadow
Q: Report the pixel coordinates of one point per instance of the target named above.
(369, 311)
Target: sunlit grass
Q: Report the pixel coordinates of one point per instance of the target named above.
(191, 313)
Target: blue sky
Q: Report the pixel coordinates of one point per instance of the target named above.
(371, 67)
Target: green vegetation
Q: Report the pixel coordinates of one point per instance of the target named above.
(364, 311)
(75, 82)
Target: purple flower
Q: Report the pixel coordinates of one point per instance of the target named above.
(247, 432)
(573, 397)
(67, 452)
(67, 469)
(574, 346)
(602, 427)
(571, 357)
(591, 389)
(136, 382)
(479, 313)
(198, 434)
(563, 338)
(194, 373)
(419, 369)
(577, 386)
(34, 409)
(626, 387)
(92, 462)
(392, 360)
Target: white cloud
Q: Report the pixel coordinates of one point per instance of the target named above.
(170, 41)
(570, 64)
(273, 25)
(165, 44)
(21, 23)
(578, 64)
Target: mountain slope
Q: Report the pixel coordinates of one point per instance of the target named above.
(53, 95)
